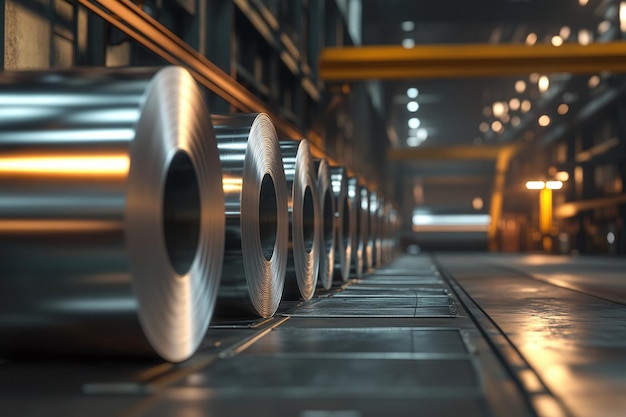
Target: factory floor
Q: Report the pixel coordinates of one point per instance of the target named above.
(426, 335)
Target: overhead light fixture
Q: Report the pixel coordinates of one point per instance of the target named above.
(525, 106)
(514, 104)
(544, 120)
(408, 25)
(520, 86)
(535, 185)
(422, 134)
(413, 141)
(414, 123)
(412, 106)
(554, 185)
(408, 43)
(531, 39)
(534, 77)
(584, 37)
(562, 109)
(604, 26)
(562, 176)
(412, 92)
(556, 40)
(543, 84)
(594, 81)
(499, 108)
(497, 126)
(565, 32)
(483, 127)
(583, 2)
(622, 16)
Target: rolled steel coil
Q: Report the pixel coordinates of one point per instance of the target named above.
(368, 260)
(374, 229)
(358, 248)
(326, 212)
(304, 221)
(345, 224)
(111, 213)
(255, 257)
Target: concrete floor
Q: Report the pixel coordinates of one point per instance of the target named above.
(427, 335)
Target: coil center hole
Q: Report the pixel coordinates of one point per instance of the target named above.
(181, 212)
(267, 216)
(308, 220)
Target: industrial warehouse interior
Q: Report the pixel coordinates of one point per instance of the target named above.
(313, 208)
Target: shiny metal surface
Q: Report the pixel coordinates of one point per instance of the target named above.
(571, 337)
(358, 247)
(326, 212)
(375, 228)
(345, 223)
(111, 214)
(255, 257)
(368, 250)
(304, 220)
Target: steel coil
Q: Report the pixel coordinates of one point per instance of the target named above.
(304, 222)
(326, 212)
(358, 249)
(345, 224)
(368, 261)
(111, 213)
(376, 203)
(255, 257)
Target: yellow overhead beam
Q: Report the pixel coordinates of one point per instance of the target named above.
(444, 153)
(468, 60)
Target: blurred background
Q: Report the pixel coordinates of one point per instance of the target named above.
(455, 149)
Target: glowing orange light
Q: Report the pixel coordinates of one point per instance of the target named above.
(109, 165)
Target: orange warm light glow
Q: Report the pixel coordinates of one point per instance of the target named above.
(65, 165)
(535, 185)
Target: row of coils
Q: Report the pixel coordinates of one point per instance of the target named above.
(130, 217)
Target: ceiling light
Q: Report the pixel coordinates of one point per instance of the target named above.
(543, 83)
(531, 39)
(622, 16)
(594, 81)
(520, 86)
(408, 25)
(412, 106)
(556, 41)
(477, 203)
(544, 120)
(483, 127)
(604, 26)
(562, 176)
(408, 43)
(514, 104)
(412, 92)
(565, 32)
(525, 106)
(413, 141)
(497, 126)
(414, 122)
(563, 109)
(583, 2)
(554, 185)
(535, 185)
(499, 108)
(422, 134)
(584, 37)
(534, 77)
